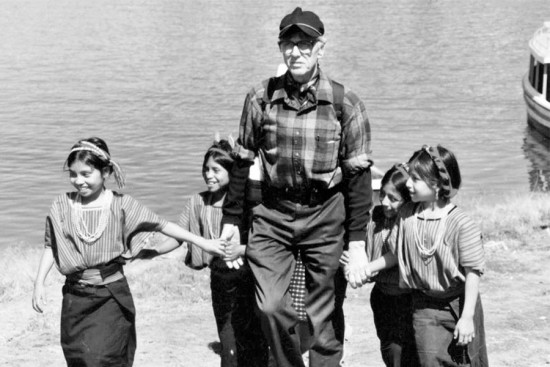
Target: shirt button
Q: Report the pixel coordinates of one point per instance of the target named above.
(296, 154)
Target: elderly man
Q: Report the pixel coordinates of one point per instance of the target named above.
(312, 136)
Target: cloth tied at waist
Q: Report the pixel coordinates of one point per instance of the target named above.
(100, 275)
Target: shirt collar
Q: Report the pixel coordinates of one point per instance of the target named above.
(321, 84)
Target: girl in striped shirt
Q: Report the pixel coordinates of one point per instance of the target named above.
(441, 258)
(391, 305)
(89, 235)
(231, 280)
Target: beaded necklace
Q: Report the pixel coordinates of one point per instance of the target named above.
(422, 245)
(80, 223)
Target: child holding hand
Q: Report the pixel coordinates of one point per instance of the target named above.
(89, 235)
(231, 280)
(441, 258)
(391, 305)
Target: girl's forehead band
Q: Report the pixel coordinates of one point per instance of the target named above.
(117, 171)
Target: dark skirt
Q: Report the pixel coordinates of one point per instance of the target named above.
(239, 328)
(393, 321)
(434, 322)
(98, 325)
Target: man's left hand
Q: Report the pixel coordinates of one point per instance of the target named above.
(357, 270)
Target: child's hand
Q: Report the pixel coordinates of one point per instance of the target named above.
(38, 298)
(464, 330)
(214, 247)
(344, 259)
(233, 250)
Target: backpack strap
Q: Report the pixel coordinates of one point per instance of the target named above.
(269, 90)
(338, 99)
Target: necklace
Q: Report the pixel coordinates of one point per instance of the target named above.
(437, 235)
(80, 223)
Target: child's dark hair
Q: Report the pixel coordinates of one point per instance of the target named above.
(398, 179)
(89, 157)
(220, 152)
(433, 164)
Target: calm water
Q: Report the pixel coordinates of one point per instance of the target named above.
(156, 79)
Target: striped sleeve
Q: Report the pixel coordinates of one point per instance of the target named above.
(370, 246)
(138, 224)
(470, 246)
(183, 220)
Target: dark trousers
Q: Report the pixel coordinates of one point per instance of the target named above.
(393, 321)
(434, 322)
(237, 318)
(98, 325)
(278, 228)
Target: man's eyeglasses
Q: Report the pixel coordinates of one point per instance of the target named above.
(304, 46)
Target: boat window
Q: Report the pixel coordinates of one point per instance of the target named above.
(540, 75)
(532, 64)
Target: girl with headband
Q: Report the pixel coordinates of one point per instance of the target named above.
(89, 234)
(441, 257)
(232, 289)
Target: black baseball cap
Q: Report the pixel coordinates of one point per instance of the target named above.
(306, 21)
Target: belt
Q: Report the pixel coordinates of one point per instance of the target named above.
(309, 196)
(96, 277)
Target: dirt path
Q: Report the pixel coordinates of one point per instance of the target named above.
(180, 330)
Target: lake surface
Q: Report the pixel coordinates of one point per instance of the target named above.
(156, 79)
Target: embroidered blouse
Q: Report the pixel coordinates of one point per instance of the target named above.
(441, 274)
(127, 231)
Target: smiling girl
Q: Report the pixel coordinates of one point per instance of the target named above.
(89, 234)
(232, 289)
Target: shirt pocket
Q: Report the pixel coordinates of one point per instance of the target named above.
(327, 137)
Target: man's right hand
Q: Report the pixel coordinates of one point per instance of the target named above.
(231, 233)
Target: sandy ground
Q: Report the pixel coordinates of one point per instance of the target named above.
(179, 330)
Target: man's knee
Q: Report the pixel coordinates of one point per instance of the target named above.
(271, 306)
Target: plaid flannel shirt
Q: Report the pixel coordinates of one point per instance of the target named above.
(300, 141)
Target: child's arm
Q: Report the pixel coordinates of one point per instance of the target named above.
(152, 251)
(215, 247)
(389, 260)
(38, 296)
(464, 330)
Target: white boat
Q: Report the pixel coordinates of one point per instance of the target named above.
(536, 91)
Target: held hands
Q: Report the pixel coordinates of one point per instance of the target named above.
(344, 259)
(233, 254)
(464, 330)
(232, 236)
(357, 270)
(214, 247)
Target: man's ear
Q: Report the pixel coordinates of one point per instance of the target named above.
(321, 51)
